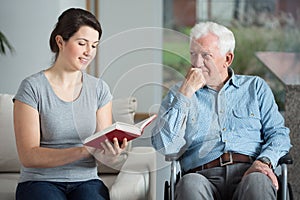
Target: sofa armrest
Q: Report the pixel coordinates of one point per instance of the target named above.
(137, 177)
(9, 160)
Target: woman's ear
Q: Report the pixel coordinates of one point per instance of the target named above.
(59, 41)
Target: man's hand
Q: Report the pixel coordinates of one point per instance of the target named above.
(258, 166)
(194, 80)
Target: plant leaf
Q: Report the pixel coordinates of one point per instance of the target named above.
(4, 43)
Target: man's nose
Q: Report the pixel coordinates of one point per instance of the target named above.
(198, 61)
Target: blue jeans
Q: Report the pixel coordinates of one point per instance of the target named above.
(43, 190)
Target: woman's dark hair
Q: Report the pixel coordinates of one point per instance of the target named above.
(69, 23)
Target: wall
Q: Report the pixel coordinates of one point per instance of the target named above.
(130, 55)
(130, 50)
(28, 28)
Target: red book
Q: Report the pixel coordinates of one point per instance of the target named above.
(120, 130)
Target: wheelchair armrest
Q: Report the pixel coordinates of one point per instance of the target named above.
(171, 157)
(170, 186)
(286, 159)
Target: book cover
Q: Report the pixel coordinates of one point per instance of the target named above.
(119, 130)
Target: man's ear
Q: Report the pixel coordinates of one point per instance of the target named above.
(59, 41)
(229, 59)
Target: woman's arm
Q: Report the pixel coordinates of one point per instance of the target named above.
(111, 151)
(27, 132)
(104, 116)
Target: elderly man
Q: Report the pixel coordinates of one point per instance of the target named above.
(226, 127)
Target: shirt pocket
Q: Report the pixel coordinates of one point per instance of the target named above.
(247, 118)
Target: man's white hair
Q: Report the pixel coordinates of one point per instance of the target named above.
(226, 37)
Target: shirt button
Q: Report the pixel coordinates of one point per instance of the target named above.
(223, 129)
(252, 114)
(221, 111)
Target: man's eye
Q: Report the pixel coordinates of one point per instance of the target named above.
(94, 46)
(206, 55)
(81, 43)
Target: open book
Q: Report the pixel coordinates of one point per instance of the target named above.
(119, 130)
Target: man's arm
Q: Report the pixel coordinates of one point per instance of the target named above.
(275, 134)
(169, 130)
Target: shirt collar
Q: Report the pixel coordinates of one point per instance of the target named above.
(233, 79)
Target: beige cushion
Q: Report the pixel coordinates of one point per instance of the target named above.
(136, 183)
(135, 176)
(8, 184)
(9, 161)
(123, 110)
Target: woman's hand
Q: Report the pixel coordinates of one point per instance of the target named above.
(110, 154)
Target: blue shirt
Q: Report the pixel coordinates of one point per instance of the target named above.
(242, 117)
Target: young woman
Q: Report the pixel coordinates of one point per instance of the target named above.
(55, 109)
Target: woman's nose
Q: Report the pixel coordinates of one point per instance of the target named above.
(87, 51)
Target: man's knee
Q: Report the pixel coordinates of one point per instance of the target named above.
(193, 186)
(256, 185)
(192, 181)
(257, 179)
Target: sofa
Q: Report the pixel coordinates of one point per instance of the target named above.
(134, 180)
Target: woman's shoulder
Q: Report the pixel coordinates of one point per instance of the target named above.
(36, 77)
(34, 80)
(92, 80)
(29, 89)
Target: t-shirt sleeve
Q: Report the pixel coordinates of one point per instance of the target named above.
(27, 94)
(103, 93)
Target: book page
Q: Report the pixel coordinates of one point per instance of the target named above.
(141, 125)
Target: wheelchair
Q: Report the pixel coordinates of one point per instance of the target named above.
(284, 192)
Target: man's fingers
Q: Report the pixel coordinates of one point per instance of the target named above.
(273, 178)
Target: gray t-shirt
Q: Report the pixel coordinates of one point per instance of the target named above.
(64, 124)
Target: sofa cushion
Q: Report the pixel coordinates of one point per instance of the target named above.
(8, 185)
(123, 109)
(136, 183)
(137, 170)
(9, 161)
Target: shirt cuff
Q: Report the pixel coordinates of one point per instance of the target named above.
(181, 102)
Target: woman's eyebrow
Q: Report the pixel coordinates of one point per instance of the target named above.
(97, 41)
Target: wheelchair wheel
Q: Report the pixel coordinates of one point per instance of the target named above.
(167, 191)
(290, 192)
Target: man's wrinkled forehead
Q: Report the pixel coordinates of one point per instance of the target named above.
(195, 45)
(205, 43)
(198, 48)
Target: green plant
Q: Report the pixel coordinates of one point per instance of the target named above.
(252, 39)
(4, 43)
